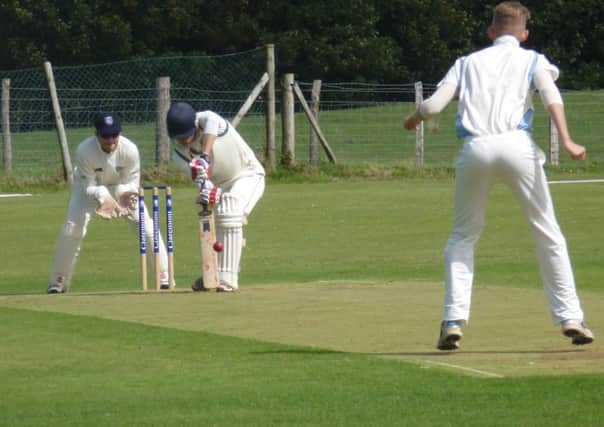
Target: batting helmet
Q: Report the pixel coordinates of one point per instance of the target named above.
(180, 120)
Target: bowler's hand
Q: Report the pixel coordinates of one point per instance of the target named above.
(412, 121)
(575, 151)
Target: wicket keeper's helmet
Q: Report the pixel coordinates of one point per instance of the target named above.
(180, 120)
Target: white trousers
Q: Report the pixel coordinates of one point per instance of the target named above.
(232, 212)
(514, 158)
(79, 212)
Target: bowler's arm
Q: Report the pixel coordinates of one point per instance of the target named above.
(431, 106)
(552, 100)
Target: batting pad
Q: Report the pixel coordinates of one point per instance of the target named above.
(229, 230)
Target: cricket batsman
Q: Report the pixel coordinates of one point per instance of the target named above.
(210, 150)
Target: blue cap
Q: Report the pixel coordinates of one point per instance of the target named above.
(107, 124)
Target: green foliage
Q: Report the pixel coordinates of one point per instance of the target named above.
(303, 173)
(338, 40)
(571, 34)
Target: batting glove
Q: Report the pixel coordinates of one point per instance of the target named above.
(200, 169)
(209, 195)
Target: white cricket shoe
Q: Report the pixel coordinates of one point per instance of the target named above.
(55, 288)
(223, 287)
(164, 281)
(578, 331)
(450, 334)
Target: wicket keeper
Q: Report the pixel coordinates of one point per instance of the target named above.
(106, 182)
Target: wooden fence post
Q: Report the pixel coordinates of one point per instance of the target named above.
(250, 100)
(328, 151)
(288, 156)
(419, 132)
(554, 146)
(313, 154)
(270, 107)
(7, 158)
(67, 170)
(162, 140)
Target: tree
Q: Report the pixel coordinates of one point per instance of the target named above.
(346, 40)
(332, 40)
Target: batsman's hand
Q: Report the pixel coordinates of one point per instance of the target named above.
(109, 209)
(200, 169)
(209, 194)
(129, 200)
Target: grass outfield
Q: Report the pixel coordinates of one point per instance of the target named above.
(335, 324)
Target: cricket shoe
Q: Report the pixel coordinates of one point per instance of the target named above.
(54, 288)
(164, 281)
(225, 288)
(450, 334)
(578, 331)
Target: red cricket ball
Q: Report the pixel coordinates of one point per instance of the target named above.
(218, 246)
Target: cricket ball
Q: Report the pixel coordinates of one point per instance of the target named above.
(218, 246)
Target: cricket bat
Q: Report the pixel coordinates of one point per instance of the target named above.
(209, 258)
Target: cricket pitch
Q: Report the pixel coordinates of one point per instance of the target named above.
(510, 332)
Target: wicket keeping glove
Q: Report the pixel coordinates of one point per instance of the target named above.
(109, 209)
(128, 200)
(200, 169)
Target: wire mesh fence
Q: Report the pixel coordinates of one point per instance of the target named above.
(128, 88)
(362, 122)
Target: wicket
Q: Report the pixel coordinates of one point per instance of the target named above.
(156, 226)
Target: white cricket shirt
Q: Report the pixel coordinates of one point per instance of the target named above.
(232, 157)
(495, 88)
(96, 170)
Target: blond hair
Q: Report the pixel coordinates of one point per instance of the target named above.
(510, 17)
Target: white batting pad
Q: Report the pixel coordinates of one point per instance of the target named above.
(67, 252)
(229, 230)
